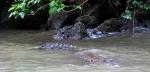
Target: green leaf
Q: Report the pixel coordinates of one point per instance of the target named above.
(12, 8)
(11, 14)
(22, 14)
(79, 7)
(52, 4)
(127, 14)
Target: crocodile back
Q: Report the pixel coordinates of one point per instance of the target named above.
(56, 46)
(91, 58)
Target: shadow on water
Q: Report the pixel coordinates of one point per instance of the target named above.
(133, 54)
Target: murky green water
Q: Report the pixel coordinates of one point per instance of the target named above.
(16, 54)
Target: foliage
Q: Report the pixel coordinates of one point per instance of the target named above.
(56, 6)
(127, 14)
(20, 8)
(132, 5)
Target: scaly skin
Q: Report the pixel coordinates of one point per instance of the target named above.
(89, 57)
(57, 46)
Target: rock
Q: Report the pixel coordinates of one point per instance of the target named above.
(56, 21)
(147, 22)
(143, 17)
(139, 26)
(4, 18)
(73, 32)
(89, 21)
(110, 25)
(140, 29)
(128, 25)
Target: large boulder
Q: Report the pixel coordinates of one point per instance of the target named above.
(110, 25)
(56, 21)
(90, 21)
(73, 32)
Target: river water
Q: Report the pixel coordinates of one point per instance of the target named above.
(17, 53)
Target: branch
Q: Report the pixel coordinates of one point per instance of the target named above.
(76, 8)
(42, 7)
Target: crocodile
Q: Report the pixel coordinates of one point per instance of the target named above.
(89, 56)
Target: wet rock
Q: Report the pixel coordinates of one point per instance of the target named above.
(110, 25)
(89, 21)
(143, 17)
(73, 32)
(147, 22)
(140, 29)
(128, 24)
(4, 18)
(139, 26)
